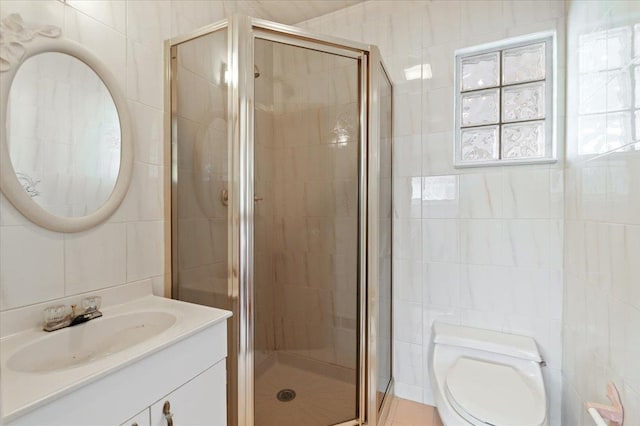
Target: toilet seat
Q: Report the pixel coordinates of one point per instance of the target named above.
(489, 393)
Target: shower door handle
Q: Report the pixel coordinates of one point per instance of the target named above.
(257, 199)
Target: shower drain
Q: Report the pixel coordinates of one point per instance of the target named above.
(286, 395)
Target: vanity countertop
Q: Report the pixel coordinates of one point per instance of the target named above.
(23, 391)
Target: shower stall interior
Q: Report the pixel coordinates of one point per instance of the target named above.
(281, 145)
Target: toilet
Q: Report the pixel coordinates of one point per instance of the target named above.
(482, 377)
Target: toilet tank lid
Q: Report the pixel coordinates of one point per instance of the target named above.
(486, 340)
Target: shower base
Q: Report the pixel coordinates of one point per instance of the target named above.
(325, 393)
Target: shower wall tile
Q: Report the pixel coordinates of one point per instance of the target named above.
(487, 236)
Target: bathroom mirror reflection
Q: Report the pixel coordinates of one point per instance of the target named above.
(63, 134)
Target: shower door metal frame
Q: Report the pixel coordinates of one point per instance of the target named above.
(378, 414)
(241, 32)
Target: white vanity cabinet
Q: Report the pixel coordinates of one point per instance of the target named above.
(184, 366)
(202, 401)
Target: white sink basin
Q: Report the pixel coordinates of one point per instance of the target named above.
(85, 343)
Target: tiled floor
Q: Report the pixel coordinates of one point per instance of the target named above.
(409, 413)
(320, 400)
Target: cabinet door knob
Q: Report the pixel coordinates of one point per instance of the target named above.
(166, 410)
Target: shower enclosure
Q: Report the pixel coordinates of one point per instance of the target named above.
(281, 145)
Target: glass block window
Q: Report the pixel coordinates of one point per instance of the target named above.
(504, 102)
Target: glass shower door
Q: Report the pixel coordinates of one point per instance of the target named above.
(306, 235)
(200, 182)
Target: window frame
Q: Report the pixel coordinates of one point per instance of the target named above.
(550, 81)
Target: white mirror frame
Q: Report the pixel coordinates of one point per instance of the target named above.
(9, 183)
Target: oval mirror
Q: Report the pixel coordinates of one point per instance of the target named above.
(66, 147)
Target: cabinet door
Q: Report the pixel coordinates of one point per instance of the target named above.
(141, 419)
(200, 402)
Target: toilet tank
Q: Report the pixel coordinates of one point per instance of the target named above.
(512, 345)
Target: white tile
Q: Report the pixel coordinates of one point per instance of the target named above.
(95, 258)
(527, 242)
(407, 280)
(109, 12)
(482, 242)
(407, 197)
(486, 289)
(441, 284)
(439, 58)
(145, 250)
(440, 240)
(442, 23)
(9, 215)
(437, 154)
(482, 18)
(632, 348)
(440, 197)
(31, 265)
(437, 113)
(45, 12)
(408, 322)
(145, 74)
(408, 365)
(148, 131)
(523, 12)
(106, 43)
(526, 194)
(148, 22)
(407, 113)
(406, 28)
(481, 195)
(145, 197)
(531, 292)
(407, 236)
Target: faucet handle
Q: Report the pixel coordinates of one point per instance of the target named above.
(91, 303)
(56, 313)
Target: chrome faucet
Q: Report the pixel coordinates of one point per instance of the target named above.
(62, 316)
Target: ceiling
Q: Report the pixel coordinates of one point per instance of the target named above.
(293, 11)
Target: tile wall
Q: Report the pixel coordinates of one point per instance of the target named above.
(37, 265)
(601, 336)
(480, 247)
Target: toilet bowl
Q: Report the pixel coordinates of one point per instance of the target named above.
(481, 377)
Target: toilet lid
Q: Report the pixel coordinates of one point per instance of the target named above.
(496, 394)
